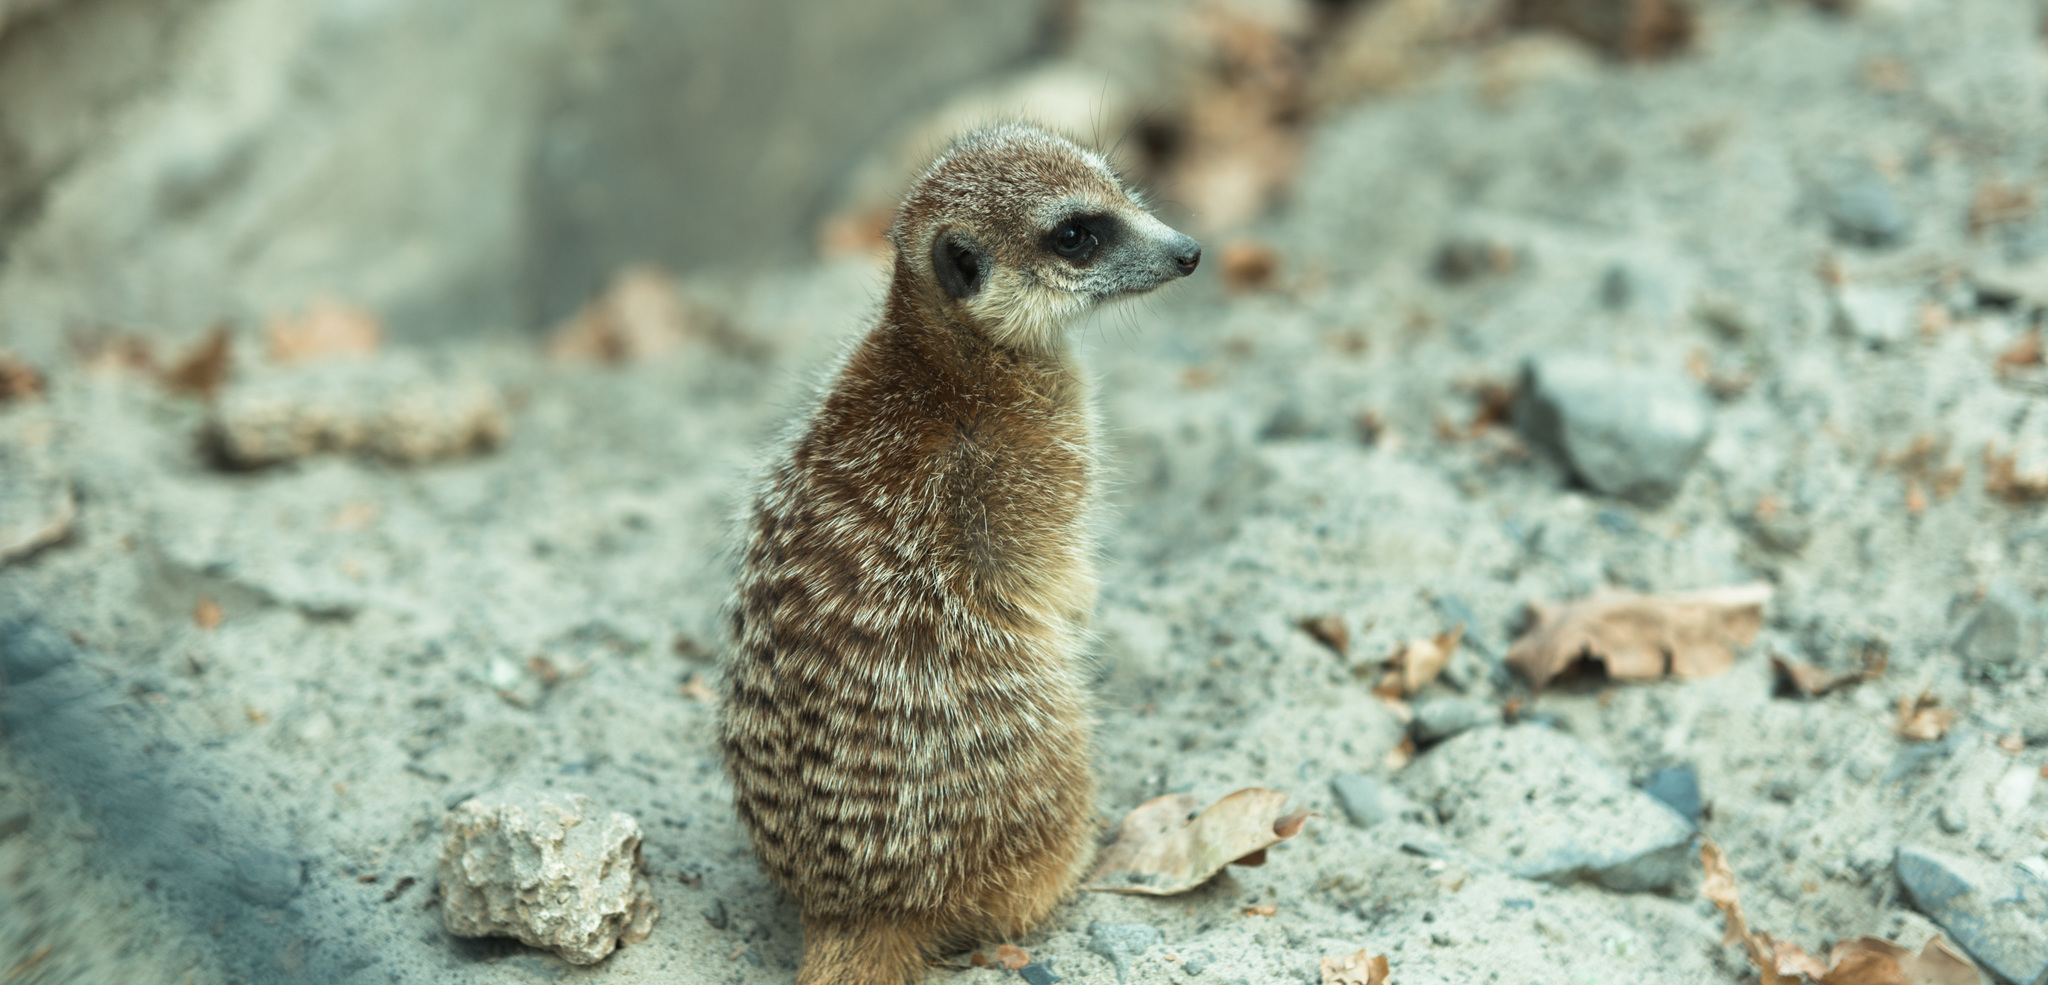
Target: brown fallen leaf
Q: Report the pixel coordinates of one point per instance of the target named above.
(1330, 631)
(696, 690)
(18, 380)
(204, 367)
(1262, 910)
(1249, 265)
(2002, 478)
(1357, 968)
(640, 315)
(1861, 961)
(328, 327)
(1998, 202)
(1011, 956)
(1418, 663)
(1164, 847)
(206, 614)
(1642, 637)
(2023, 353)
(1634, 30)
(1812, 682)
(1922, 719)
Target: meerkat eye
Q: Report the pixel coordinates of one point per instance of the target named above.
(1072, 240)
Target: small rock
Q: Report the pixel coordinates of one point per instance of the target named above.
(1863, 211)
(390, 408)
(1998, 914)
(1120, 942)
(544, 868)
(1952, 818)
(1879, 317)
(1369, 801)
(715, 914)
(268, 878)
(29, 649)
(1438, 719)
(1543, 806)
(1678, 787)
(2005, 629)
(1196, 963)
(1038, 973)
(1624, 431)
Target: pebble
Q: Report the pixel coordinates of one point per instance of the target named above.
(1196, 963)
(2005, 629)
(1369, 801)
(1623, 430)
(268, 878)
(1560, 815)
(1997, 913)
(1678, 787)
(1038, 973)
(389, 408)
(547, 868)
(1864, 211)
(1437, 719)
(1120, 942)
(1952, 818)
(1879, 317)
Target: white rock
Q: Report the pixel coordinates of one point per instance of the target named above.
(544, 868)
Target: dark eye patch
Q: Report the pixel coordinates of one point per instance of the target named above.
(1078, 238)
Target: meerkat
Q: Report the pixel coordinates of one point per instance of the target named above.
(904, 717)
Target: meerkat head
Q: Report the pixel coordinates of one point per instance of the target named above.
(1020, 230)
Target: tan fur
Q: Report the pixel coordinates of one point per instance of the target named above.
(904, 717)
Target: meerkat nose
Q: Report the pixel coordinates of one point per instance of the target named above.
(1186, 254)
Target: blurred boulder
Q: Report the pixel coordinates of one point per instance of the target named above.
(1624, 431)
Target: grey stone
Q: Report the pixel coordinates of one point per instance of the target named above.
(1952, 818)
(1369, 801)
(1196, 963)
(1120, 942)
(1543, 806)
(1998, 913)
(1038, 973)
(1624, 431)
(29, 649)
(1437, 719)
(547, 869)
(2005, 629)
(1678, 787)
(1878, 316)
(1863, 211)
(268, 878)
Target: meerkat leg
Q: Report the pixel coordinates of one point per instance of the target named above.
(1018, 906)
(869, 950)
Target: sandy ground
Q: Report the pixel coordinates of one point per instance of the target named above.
(259, 801)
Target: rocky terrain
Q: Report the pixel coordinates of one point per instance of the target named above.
(1528, 322)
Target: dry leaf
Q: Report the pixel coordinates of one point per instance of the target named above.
(1875, 961)
(1163, 847)
(1418, 663)
(1642, 637)
(1330, 631)
(206, 614)
(696, 690)
(1249, 265)
(1401, 755)
(204, 367)
(1262, 910)
(2002, 478)
(1636, 30)
(1011, 956)
(18, 380)
(1358, 968)
(2024, 352)
(1922, 719)
(327, 328)
(640, 315)
(1812, 682)
(1997, 202)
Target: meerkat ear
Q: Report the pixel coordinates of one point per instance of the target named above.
(960, 262)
